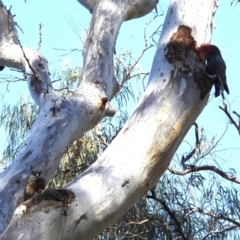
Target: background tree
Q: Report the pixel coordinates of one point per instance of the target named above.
(174, 45)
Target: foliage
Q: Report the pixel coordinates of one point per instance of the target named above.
(198, 206)
(17, 120)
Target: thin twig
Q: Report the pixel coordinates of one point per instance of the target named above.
(219, 216)
(185, 159)
(230, 118)
(40, 36)
(64, 88)
(24, 55)
(69, 170)
(203, 168)
(139, 223)
(238, 117)
(220, 231)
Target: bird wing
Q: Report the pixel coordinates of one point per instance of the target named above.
(216, 65)
(221, 72)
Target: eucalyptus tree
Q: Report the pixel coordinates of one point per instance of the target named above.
(177, 91)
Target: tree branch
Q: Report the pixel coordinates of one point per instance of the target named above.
(171, 214)
(220, 231)
(204, 168)
(184, 159)
(219, 216)
(225, 110)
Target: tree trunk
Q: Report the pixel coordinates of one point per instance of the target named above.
(176, 94)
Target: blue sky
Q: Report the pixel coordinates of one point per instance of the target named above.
(57, 33)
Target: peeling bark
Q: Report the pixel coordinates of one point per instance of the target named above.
(140, 153)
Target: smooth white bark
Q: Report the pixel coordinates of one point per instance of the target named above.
(141, 152)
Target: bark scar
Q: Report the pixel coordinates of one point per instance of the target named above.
(58, 195)
(125, 182)
(102, 103)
